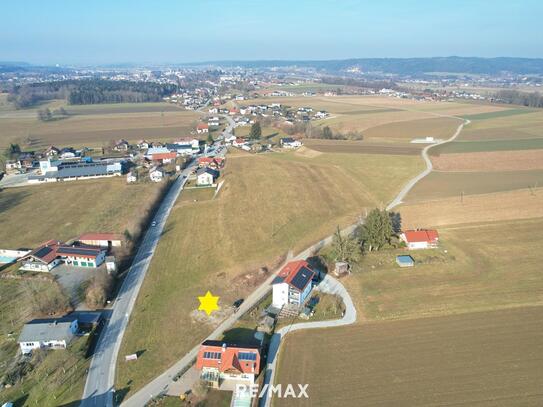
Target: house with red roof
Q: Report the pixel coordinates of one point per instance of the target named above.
(222, 363)
(293, 284)
(420, 239)
(202, 128)
(211, 162)
(43, 258)
(164, 158)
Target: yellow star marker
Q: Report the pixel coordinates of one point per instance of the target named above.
(208, 303)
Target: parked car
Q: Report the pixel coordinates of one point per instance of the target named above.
(153, 223)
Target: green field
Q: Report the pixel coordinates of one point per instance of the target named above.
(498, 114)
(439, 128)
(528, 123)
(449, 184)
(490, 145)
(476, 359)
(31, 215)
(269, 204)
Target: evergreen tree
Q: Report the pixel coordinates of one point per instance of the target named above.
(327, 133)
(344, 248)
(377, 230)
(256, 131)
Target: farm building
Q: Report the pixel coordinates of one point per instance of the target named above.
(101, 239)
(47, 334)
(289, 142)
(222, 363)
(405, 261)
(206, 176)
(293, 284)
(53, 171)
(81, 256)
(202, 128)
(44, 258)
(420, 239)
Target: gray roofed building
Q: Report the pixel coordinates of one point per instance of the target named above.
(77, 170)
(47, 333)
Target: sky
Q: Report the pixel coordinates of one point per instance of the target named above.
(178, 31)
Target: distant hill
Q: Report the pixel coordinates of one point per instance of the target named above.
(406, 66)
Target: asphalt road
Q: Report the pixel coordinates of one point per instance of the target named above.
(99, 388)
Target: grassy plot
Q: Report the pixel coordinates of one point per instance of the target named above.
(479, 267)
(498, 114)
(455, 184)
(33, 214)
(362, 147)
(512, 127)
(439, 128)
(490, 161)
(477, 359)
(490, 145)
(268, 205)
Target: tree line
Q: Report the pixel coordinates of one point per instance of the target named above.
(515, 97)
(89, 91)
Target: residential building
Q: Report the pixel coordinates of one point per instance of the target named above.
(420, 239)
(44, 258)
(164, 158)
(293, 284)
(81, 256)
(289, 142)
(143, 144)
(131, 177)
(121, 145)
(47, 334)
(230, 139)
(202, 128)
(156, 174)
(206, 176)
(101, 239)
(238, 142)
(67, 153)
(52, 253)
(222, 363)
(52, 151)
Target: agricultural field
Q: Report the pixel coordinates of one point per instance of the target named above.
(455, 184)
(439, 128)
(95, 126)
(362, 147)
(289, 201)
(516, 160)
(31, 215)
(477, 359)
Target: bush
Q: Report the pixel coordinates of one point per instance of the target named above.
(99, 290)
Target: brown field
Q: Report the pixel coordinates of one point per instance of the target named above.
(439, 128)
(361, 147)
(510, 205)
(490, 161)
(95, 129)
(521, 126)
(477, 359)
(453, 184)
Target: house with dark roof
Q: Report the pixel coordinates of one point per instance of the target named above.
(43, 258)
(420, 239)
(47, 334)
(293, 284)
(289, 142)
(221, 363)
(56, 170)
(206, 176)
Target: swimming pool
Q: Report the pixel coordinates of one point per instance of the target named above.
(7, 259)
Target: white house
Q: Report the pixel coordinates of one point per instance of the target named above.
(47, 334)
(293, 284)
(288, 142)
(131, 177)
(420, 239)
(156, 174)
(206, 176)
(229, 139)
(44, 258)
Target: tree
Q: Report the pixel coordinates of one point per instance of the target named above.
(45, 114)
(210, 139)
(13, 150)
(396, 220)
(327, 133)
(344, 248)
(377, 230)
(256, 131)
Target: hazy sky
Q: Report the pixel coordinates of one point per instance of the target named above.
(113, 31)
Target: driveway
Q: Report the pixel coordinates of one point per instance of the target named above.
(14, 180)
(71, 278)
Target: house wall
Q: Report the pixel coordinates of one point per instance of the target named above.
(280, 295)
(417, 245)
(306, 292)
(205, 179)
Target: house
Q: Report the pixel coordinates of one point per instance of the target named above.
(67, 152)
(223, 363)
(143, 144)
(238, 142)
(229, 139)
(81, 256)
(131, 177)
(156, 174)
(233, 111)
(164, 158)
(202, 128)
(44, 258)
(213, 110)
(121, 145)
(321, 114)
(420, 239)
(206, 176)
(52, 151)
(293, 284)
(101, 239)
(289, 142)
(47, 334)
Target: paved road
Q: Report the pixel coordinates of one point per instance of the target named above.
(100, 380)
(329, 285)
(412, 182)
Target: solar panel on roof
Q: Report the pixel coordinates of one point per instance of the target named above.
(247, 356)
(76, 250)
(44, 251)
(301, 278)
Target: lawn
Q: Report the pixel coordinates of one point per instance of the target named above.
(477, 359)
(31, 215)
(480, 266)
(518, 160)
(498, 114)
(455, 184)
(270, 204)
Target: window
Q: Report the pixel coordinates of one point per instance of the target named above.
(212, 355)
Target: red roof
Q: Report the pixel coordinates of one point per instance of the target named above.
(202, 126)
(47, 256)
(297, 274)
(205, 160)
(99, 236)
(240, 140)
(228, 357)
(423, 235)
(164, 156)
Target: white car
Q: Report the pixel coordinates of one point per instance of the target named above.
(153, 223)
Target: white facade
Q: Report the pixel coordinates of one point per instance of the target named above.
(130, 178)
(156, 175)
(34, 265)
(284, 294)
(204, 179)
(81, 261)
(63, 331)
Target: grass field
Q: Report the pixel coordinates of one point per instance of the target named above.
(453, 184)
(510, 205)
(269, 204)
(97, 125)
(439, 128)
(517, 160)
(31, 215)
(525, 124)
(490, 145)
(498, 114)
(362, 147)
(477, 359)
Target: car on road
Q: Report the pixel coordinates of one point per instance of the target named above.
(153, 223)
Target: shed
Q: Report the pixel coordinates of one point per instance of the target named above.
(405, 261)
(111, 265)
